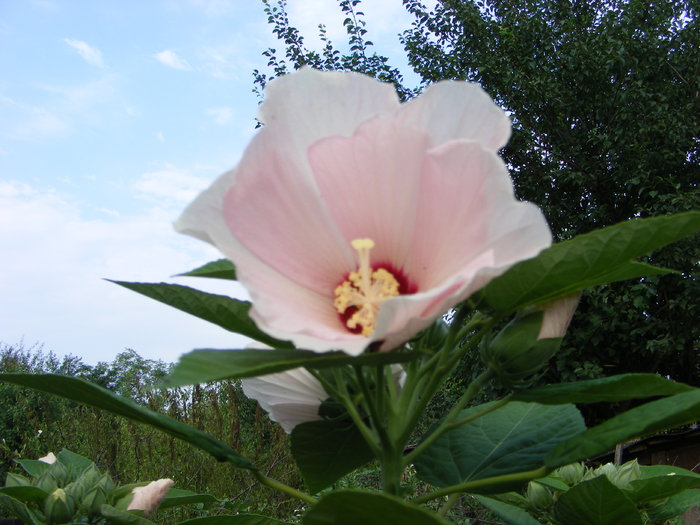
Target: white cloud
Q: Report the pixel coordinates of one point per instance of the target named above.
(170, 186)
(221, 115)
(170, 59)
(90, 54)
(159, 136)
(53, 286)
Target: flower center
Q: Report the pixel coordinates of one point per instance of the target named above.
(363, 292)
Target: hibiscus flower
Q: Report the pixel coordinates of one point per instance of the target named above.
(354, 219)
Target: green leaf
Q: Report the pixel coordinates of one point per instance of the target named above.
(596, 502)
(33, 467)
(75, 463)
(121, 517)
(664, 485)
(588, 260)
(25, 494)
(219, 269)
(87, 393)
(176, 497)
(675, 505)
(325, 451)
(615, 388)
(355, 507)
(511, 514)
(200, 366)
(513, 438)
(20, 510)
(226, 312)
(649, 418)
(239, 519)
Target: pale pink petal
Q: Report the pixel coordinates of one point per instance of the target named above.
(558, 315)
(457, 110)
(370, 184)
(309, 105)
(474, 185)
(290, 397)
(277, 214)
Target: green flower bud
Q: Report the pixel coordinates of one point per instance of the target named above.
(105, 483)
(571, 474)
(625, 474)
(60, 473)
(59, 507)
(539, 496)
(46, 482)
(516, 354)
(93, 501)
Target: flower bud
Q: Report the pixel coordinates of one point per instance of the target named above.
(624, 474)
(558, 315)
(149, 497)
(539, 496)
(93, 500)
(516, 354)
(49, 458)
(59, 506)
(571, 474)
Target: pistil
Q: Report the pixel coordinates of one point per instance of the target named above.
(364, 291)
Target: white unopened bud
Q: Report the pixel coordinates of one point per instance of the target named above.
(149, 497)
(49, 458)
(557, 316)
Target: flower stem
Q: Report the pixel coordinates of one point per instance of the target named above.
(278, 485)
(481, 483)
(474, 387)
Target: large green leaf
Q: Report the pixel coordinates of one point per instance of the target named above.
(325, 451)
(355, 507)
(668, 481)
(74, 462)
(219, 269)
(592, 259)
(25, 494)
(510, 439)
(675, 505)
(239, 519)
(596, 502)
(33, 467)
(615, 388)
(230, 314)
(200, 366)
(90, 394)
(20, 510)
(176, 497)
(511, 514)
(655, 416)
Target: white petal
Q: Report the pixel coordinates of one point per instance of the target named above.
(290, 397)
(451, 110)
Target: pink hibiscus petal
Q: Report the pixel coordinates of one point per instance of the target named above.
(370, 184)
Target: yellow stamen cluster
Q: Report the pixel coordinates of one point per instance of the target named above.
(365, 289)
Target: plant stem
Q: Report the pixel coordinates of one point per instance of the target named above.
(451, 501)
(448, 423)
(481, 483)
(278, 485)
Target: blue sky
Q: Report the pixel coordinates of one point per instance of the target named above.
(113, 115)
